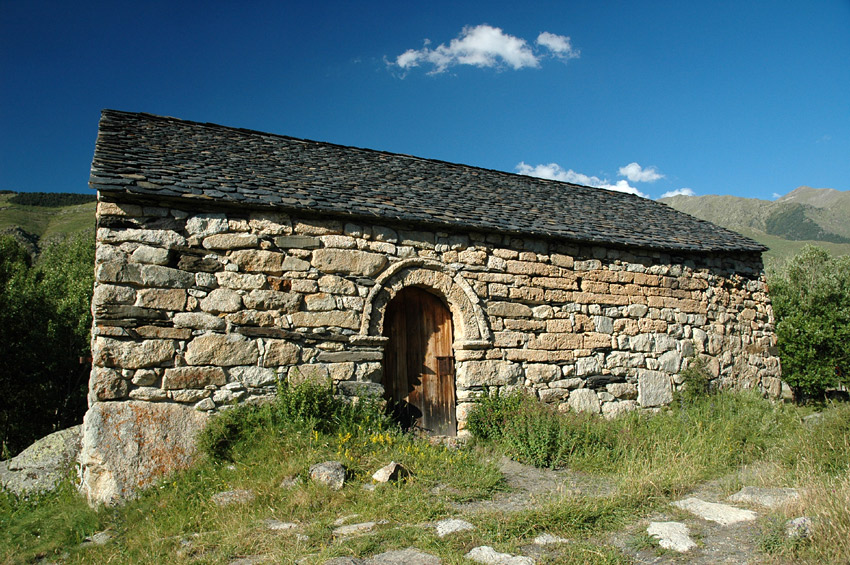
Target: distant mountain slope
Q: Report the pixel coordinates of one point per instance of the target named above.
(818, 216)
(42, 218)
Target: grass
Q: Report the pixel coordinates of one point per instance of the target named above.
(47, 222)
(650, 458)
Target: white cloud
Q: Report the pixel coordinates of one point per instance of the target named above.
(636, 173)
(485, 46)
(679, 192)
(558, 44)
(776, 195)
(554, 171)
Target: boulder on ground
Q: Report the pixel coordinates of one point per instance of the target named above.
(129, 445)
(329, 473)
(43, 464)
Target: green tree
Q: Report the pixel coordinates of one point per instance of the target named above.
(811, 301)
(44, 333)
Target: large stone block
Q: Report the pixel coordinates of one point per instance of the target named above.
(198, 321)
(654, 389)
(231, 241)
(165, 299)
(107, 384)
(509, 310)
(584, 400)
(273, 300)
(221, 350)
(253, 376)
(221, 300)
(193, 377)
(334, 318)
(348, 261)
(128, 445)
(488, 373)
(163, 238)
(259, 261)
(280, 352)
(132, 354)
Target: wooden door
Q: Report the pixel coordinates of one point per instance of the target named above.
(418, 363)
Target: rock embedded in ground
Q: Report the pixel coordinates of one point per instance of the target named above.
(228, 497)
(452, 526)
(43, 464)
(409, 556)
(329, 473)
(279, 526)
(391, 473)
(765, 496)
(345, 561)
(799, 528)
(353, 529)
(489, 556)
(549, 539)
(672, 535)
(723, 514)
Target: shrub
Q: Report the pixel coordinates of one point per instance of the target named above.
(696, 382)
(811, 300)
(306, 406)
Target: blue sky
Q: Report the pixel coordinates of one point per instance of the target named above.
(743, 98)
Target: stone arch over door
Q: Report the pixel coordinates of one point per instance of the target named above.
(470, 325)
(471, 328)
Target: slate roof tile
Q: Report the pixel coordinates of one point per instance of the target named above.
(143, 154)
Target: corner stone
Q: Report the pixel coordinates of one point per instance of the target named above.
(127, 445)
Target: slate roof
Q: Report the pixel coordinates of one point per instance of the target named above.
(147, 155)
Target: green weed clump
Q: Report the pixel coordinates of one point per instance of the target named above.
(306, 406)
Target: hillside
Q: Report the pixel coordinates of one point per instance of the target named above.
(805, 216)
(33, 218)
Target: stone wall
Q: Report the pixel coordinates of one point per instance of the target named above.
(205, 310)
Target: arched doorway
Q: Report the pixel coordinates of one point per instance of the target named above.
(418, 363)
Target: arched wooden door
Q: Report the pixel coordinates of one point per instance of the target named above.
(418, 364)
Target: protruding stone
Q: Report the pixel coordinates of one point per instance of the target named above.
(584, 400)
(489, 556)
(654, 389)
(127, 445)
(273, 300)
(107, 384)
(672, 535)
(132, 354)
(193, 377)
(329, 473)
(150, 255)
(230, 241)
(260, 261)
(723, 514)
(348, 261)
(198, 321)
(488, 373)
(765, 496)
(253, 376)
(221, 350)
(392, 472)
(452, 526)
(221, 300)
(280, 352)
(207, 224)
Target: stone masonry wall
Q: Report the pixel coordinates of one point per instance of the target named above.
(208, 310)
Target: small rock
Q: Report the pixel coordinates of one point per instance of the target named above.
(290, 482)
(329, 473)
(672, 535)
(278, 526)
(799, 528)
(723, 514)
(353, 529)
(549, 539)
(768, 497)
(344, 519)
(409, 556)
(302, 537)
(489, 556)
(391, 473)
(451, 526)
(100, 538)
(228, 497)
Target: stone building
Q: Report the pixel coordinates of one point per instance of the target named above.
(228, 260)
